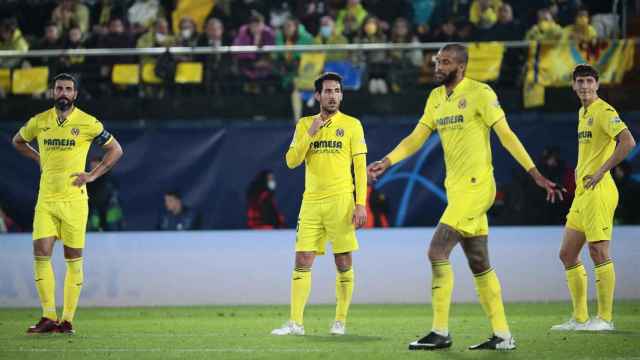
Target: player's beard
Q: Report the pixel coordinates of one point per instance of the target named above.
(330, 108)
(447, 79)
(63, 104)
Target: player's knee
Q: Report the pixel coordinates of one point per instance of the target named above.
(567, 257)
(478, 263)
(304, 259)
(436, 254)
(598, 254)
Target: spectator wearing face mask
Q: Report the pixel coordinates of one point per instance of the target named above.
(328, 35)
(546, 29)
(187, 37)
(262, 212)
(580, 30)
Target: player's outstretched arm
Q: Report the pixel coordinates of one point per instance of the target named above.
(360, 173)
(113, 153)
(407, 147)
(626, 143)
(25, 148)
(510, 141)
(301, 140)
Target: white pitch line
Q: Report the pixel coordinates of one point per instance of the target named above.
(211, 350)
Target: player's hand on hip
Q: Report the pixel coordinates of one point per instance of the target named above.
(590, 181)
(317, 123)
(359, 216)
(81, 178)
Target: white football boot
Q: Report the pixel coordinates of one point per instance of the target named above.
(289, 328)
(598, 324)
(338, 328)
(571, 325)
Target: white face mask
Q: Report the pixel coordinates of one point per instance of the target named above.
(326, 31)
(160, 37)
(186, 33)
(271, 185)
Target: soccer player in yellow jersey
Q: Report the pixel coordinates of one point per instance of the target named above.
(603, 142)
(329, 144)
(463, 112)
(64, 134)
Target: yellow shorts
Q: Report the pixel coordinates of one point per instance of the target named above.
(65, 220)
(592, 211)
(325, 220)
(466, 210)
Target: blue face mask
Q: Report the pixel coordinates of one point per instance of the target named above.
(326, 31)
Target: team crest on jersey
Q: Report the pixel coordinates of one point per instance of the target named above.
(75, 131)
(462, 104)
(590, 121)
(340, 132)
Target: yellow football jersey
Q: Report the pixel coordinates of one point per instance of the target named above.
(329, 154)
(598, 126)
(63, 151)
(463, 121)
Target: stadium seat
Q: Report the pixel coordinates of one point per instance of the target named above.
(189, 73)
(311, 65)
(351, 75)
(485, 60)
(30, 81)
(149, 74)
(5, 80)
(125, 74)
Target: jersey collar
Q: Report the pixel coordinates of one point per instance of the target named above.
(458, 89)
(67, 119)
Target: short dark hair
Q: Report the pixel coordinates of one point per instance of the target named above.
(327, 76)
(585, 70)
(65, 76)
(462, 54)
(174, 193)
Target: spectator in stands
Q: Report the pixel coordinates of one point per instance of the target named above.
(377, 209)
(105, 213)
(465, 31)
(279, 12)
(446, 10)
(177, 216)
(423, 12)
(73, 63)
(256, 68)
(564, 10)
(158, 36)
(628, 210)
(102, 12)
(446, 31)
(292, 33)
(242, 11)
(50, 41)
(262, 212)
(484, 13)
(71, 13)
(11, 39)
(351, 18)
(310, 13)
(580, 30)
(217, 67)
(143, 14)
(187, 37)
(546, 29)
(7, 224)
(329, 35)
(388, 11)
(403, 71)
(116, 37)
(506, 28)
(376, 62)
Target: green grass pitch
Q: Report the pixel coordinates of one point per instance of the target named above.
(374, 332)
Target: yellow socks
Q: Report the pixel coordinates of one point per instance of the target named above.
(577, 283)
(441, 289)
(344, 291)
(46, 286)
(605, 286)
(72, 287)
(490, 295)
(300, 288)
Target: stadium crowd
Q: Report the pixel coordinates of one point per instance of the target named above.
(86, 24)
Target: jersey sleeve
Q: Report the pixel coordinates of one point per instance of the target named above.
(30, 130)
(489, 107)
(358, 143)
(98, 133)
(427, 118)
(610, 122)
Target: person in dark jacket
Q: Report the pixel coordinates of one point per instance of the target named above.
(262, 212)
